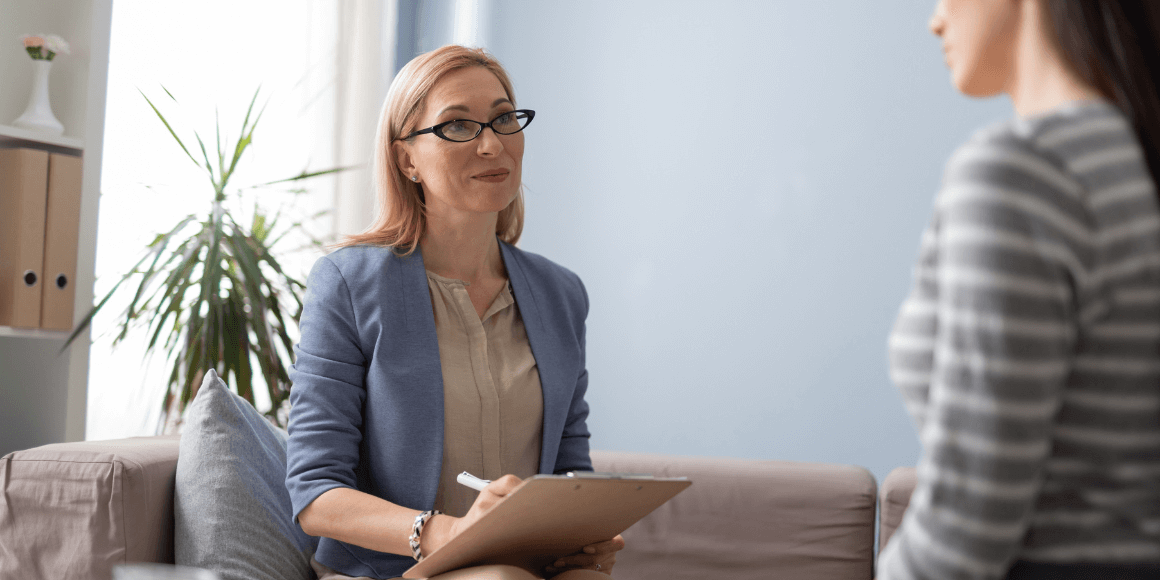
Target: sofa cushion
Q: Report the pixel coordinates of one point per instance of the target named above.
(750, 519)
(896, 490)
(75, 510)
(231, 509)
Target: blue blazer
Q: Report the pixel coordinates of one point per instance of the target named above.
(367, 396)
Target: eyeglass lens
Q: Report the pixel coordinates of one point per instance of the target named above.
(505, 124)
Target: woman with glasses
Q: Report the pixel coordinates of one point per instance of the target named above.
(1028, 351)
(431, 345)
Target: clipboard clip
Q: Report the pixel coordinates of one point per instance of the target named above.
(607, 475)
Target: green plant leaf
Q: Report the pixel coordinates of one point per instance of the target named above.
(157, 249)
(221, 155)
(245, 137)
(308, 175)
(208, 165)
(175, 287)
(166, 123)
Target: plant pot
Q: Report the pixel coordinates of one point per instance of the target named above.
(38, 116)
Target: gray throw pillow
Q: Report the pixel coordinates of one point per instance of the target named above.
(232, 513)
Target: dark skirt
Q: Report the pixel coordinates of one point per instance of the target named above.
(1023, 570)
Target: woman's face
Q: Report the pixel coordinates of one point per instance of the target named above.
(477, 176)
(978, 41)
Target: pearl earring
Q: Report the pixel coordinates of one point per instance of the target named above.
(415, 178)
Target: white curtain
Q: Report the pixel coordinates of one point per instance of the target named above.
(471, 18)
(364, 67)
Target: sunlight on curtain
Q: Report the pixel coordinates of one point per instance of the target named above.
(212, 56)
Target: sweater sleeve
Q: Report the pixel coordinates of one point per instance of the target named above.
(1000, 350)
(328, 391)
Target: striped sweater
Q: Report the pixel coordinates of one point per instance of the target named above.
(1028, 354)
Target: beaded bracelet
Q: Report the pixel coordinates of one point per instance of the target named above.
(417, 530)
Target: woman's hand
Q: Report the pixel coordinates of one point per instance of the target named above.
(440, 529)
(600, 556)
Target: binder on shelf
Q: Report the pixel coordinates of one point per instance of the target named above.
(61, 235)
(23, 198)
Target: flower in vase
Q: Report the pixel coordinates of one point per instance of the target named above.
(56, 44)
(44, 46)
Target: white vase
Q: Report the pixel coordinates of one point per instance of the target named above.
(38, 116)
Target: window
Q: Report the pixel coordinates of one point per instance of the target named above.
(210, 55)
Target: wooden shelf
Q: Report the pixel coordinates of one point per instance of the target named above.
(33, 333)
(24, 137)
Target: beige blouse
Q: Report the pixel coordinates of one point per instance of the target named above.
(493, 408)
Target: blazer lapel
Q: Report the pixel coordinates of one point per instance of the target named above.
(420, 354)
(547, 351)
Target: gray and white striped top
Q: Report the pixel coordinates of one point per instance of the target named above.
(1028, 353)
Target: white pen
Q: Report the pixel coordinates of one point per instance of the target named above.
(472, 481)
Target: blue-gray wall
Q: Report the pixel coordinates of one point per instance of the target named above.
(742, 186)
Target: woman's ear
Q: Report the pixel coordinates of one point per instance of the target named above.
(403, 158)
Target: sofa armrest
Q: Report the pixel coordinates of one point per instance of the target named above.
(749, 519)
(895, 496)
(74, 510)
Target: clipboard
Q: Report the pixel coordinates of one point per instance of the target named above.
(549, 516)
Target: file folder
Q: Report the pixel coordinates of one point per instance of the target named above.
(23, 198)
(61, 236)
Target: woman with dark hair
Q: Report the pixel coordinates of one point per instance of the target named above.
(1028, 351)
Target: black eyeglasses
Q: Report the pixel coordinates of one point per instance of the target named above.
(462, 130)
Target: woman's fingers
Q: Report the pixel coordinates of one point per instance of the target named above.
(606, 547)
(602, 553)
(601, 563)
(497, 490)
(599, 556)
(494, 492)
(504, 485)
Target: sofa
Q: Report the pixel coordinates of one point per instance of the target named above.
(75, 510)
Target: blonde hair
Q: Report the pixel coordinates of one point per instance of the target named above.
(401, 218)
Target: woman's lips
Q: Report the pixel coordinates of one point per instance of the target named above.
(495, 176)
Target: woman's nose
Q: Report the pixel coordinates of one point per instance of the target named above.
(937, 19)
(488, 143)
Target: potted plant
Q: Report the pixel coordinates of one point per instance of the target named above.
(211, 293)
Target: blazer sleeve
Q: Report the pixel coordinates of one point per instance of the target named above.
(574, 451)
(328, 391)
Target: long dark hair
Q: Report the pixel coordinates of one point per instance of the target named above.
(1114, 45)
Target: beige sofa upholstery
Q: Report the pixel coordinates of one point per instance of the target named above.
(895, 496)
(75, 510)
(745, 519)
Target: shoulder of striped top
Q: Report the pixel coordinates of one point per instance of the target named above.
(1008, 156)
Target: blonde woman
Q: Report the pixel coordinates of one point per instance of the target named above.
(1029, 349)
(431, 345)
